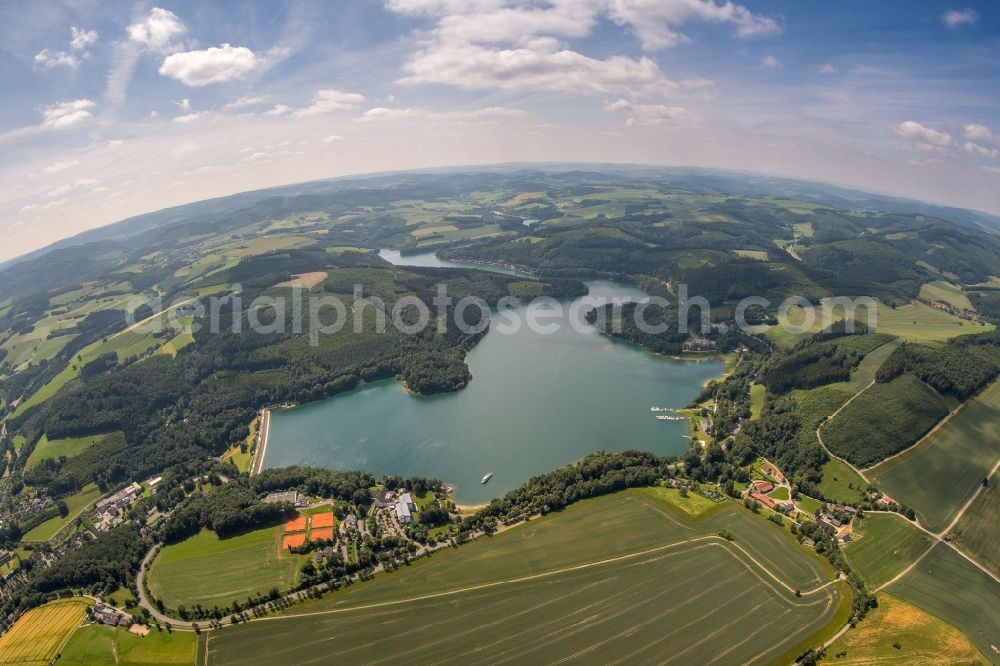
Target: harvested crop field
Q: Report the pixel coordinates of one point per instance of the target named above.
(37, 636)
(668, 588)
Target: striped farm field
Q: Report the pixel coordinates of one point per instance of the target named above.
(977, 532)
(886, 546)
(948, 586)
(39, 634)
(667, 588)
(938, 475)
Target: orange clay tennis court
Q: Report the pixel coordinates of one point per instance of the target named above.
(293, 540)
(297, 524)
(321, 533)
(322, 520)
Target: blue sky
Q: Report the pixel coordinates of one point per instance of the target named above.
(114, 109)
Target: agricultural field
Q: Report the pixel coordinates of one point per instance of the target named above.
(913, 322)
(46, 448)
(945, 292)
(37, 636)
(77, 504)
(757, 394)
(548, 591)
(96, 645)
(938, 476)
(977, 532)
(885, 545)
(210, 571)
(884, 420)
(864, 374)
(917, 322)
(921, 639)
(840, 482)
(954, 590)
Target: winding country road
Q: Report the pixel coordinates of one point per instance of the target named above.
(819, 435)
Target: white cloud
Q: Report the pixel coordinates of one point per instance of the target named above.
(770, 62)
(257, 157)
(244, 102)
(190, 117)
(47, 59)
(922, 134)
(956, 17)
(486, 115)
(66, 189)
(542, 65)
(157, 31)
(330, 138)
(654, 21)
(58, 203)
(60, 165)
(652, 115)
(511, 45)
(81, 39)
(980, 133)
(213, 65)
(981, 151)
(384, 113)
(66, 114)
(991, 169)
(826, 68)
(329, 100)
(184, 106)
(278, 110)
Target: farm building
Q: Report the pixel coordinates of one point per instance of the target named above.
(765, 487)
(111, 616)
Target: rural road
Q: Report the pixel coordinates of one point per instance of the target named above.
(938, 537)
(819, 435)
(152, 317)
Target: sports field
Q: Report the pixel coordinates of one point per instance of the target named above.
(211, 571)
(949, 587)
(320, 533)
(324, 519)
(977, 532)
(921, 637)
(37, 636)
(655, 585)
(936, 477)
(887, 543)
(296, 524)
